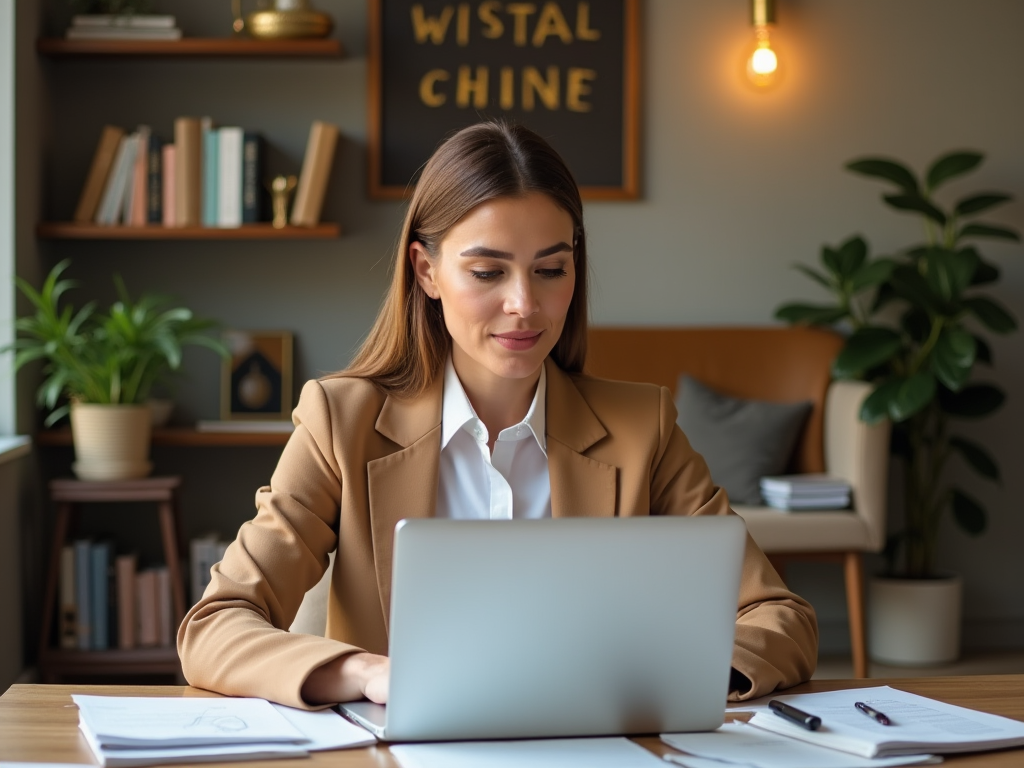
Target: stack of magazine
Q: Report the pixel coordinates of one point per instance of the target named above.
(805, 492)
(128, 26)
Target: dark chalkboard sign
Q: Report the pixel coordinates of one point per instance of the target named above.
(567, 69)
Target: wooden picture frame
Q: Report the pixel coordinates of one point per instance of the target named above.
(256, 380)
(570, 72)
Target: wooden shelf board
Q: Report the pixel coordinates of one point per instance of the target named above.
(264, 231)
(181, 437)
(192, 46)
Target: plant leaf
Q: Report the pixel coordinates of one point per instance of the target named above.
(917, 324)
(979, 203)
(993, 315)
(982, 351)
(985, 273)
(977, 457)
(871, 274)
(913, 395)
(852, 254)
(952, 165)
(888, 170)
(809, 314)
(989, 230)
(949, 272)
(865, 349)
(917, 204)
(875, 407)
(953, 357)
(907, 283)
(814, 275)
(973, 401)
(968, 513)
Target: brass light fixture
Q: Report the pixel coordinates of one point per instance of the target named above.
(762, 63)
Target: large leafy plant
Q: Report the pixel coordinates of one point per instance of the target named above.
(916, 319)
(114, 357)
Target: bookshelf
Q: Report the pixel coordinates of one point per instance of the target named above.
(192, 46)
(68, 230)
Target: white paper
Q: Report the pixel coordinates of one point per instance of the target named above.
(740, 744)
(919, 724)
(614, 752)
(145, 722)
(42, 765)
(326, 729)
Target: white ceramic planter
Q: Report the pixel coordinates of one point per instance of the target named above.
(914, 622)
(111, 441)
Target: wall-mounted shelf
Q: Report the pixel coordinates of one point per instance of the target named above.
(192, 46)
(181, 437)
(75, 231)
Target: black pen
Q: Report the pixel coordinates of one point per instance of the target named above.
(794, 715)
(874, 714)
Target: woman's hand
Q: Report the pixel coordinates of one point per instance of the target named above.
(349, 678)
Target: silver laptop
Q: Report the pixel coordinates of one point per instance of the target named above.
(568, 627)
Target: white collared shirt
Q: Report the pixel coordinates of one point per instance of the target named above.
(473, 483)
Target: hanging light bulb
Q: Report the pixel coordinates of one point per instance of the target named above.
(763, 63)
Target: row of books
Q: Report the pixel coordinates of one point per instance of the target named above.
(806, 491)
(129, 26)
(208, 176)
(204, 552)
(106, 601)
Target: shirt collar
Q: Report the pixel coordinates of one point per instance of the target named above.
(457, 411)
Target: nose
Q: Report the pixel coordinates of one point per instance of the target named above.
(520, 299)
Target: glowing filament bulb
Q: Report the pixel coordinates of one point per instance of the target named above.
(763, 63)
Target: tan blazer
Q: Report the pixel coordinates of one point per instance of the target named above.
(360, 461)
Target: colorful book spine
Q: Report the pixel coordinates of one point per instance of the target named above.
(252, 175)
(125, 568)
(110, 200)
(100, 554)
(188, 172)
(230, 178)
(135, 206)
(316, 170)
(211, 172)
(154, 181)
(169, 157)
(146, 602)
(83, 593)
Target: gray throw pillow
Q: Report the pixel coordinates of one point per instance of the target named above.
(741, 440)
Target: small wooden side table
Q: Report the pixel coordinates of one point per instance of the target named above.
(69, 495)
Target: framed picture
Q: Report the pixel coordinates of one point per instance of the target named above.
(256, 381)
(566, 69)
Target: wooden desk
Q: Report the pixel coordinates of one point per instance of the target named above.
(38, 723)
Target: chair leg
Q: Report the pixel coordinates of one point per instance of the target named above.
(854, 569)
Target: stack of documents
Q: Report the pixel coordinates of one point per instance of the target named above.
(847, 737)
(135, 731)
(808, 491)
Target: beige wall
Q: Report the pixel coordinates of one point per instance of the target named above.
(737, 186)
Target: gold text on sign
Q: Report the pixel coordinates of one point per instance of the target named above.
(472, 87)
(527, 23)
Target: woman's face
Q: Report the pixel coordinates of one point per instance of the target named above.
(505, 277)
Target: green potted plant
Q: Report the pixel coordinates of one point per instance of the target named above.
(915, 321)
(101, 367)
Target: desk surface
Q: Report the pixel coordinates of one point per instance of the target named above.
(38, 723)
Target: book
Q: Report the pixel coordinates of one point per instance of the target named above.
(122, 33)
(168, 177)
(919, 724)
(83, 593)
(137, 195)
(811, 484)
(229, 191)
(165, 611)
(822, 502)
(125, 567)
(67, 626)
(154, 180)
(252, 174)
(99, 171)
(109, 209)
(315, 172)
(187, 172)
(147, 626)
(211, 170)
(265, 425)
(131, 20)
(101, 554)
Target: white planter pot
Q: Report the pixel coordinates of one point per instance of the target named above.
(914, 622)
(111, 441)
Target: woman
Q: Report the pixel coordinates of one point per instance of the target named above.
(466, 400)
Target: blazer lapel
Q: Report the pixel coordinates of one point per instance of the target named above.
(580, 486)
(403, 484)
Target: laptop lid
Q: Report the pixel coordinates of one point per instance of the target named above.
(567, 627)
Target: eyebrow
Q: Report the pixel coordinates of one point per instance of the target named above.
(492, 253)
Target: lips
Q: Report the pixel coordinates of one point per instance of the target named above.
(517, 341)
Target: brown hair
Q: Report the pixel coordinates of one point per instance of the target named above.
(408, 344)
